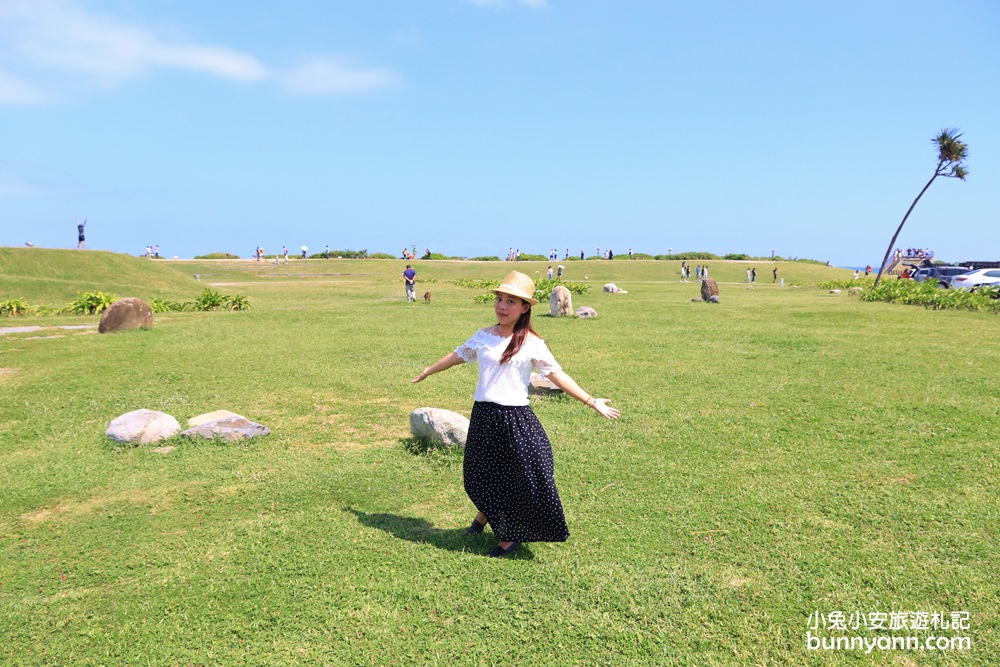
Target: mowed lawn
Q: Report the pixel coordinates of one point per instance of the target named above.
(786, 453)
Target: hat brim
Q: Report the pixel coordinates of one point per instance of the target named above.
(504, 289)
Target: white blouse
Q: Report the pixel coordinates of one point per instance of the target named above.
(505, 384)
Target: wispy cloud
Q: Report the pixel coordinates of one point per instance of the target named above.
(325, 76)
(15, 92)
(51, 49)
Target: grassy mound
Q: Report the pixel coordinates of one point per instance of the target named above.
(53, 277)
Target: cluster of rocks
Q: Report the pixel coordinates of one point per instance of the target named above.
(709, 291)
(614, 289)
(151, 426)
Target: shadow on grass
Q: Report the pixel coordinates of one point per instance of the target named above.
(421, 531)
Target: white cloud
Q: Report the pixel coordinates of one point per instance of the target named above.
(15, 92)
(324, 76)
(54, 48)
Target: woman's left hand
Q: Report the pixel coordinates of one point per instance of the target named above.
(603, 405)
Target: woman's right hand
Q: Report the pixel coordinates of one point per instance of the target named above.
(603, 406)
(420, 377)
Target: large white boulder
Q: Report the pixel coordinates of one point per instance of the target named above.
(438, 425)
(142, 426)
(560, 302)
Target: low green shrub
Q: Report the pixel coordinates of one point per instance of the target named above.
(341, 254)
(217, 255)
(688, 256)
(14, 307)
(543, 288)
(847, 283)
(929, 295)
(484, 258)
(91, 303)
(209, 299)
(160, 305)
(381, 255)
(237, 302)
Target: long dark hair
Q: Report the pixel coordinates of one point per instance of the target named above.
(521, 330)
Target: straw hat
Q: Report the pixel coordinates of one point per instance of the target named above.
(519, 285)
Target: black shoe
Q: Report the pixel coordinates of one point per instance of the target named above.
(477, 527)
(500, 552)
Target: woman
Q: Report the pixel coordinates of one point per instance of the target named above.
(508, 467)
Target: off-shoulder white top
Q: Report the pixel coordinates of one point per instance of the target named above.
(505, 384)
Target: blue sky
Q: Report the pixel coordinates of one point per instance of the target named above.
(470, 126)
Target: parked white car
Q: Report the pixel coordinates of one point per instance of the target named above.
(976, 279)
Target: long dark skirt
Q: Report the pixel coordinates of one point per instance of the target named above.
(508, 474)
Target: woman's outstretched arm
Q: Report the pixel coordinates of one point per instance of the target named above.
(442, 364)
(569, 385)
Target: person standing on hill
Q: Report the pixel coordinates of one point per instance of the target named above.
(81, 242)
(508, 468)
(410, 278)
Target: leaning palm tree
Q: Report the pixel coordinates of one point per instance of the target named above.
(951, 154)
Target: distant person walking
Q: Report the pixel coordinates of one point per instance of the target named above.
(775, 273)
(410, 278)
(753, 275)
(508, 465)
(81, 242)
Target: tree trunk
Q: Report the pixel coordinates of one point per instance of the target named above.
(937, 172)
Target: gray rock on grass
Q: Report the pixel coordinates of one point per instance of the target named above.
(126, 314)
(539, 385)
(586, 311)
(233, 427)
(709, 288)
(560, 302)
(211, 417)
(439, 426)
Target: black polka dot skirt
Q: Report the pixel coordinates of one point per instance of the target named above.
(508, 474)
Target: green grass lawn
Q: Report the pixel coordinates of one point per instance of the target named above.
(785, 452)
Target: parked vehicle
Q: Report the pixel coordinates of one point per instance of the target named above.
(977, 279)
(942, 274)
